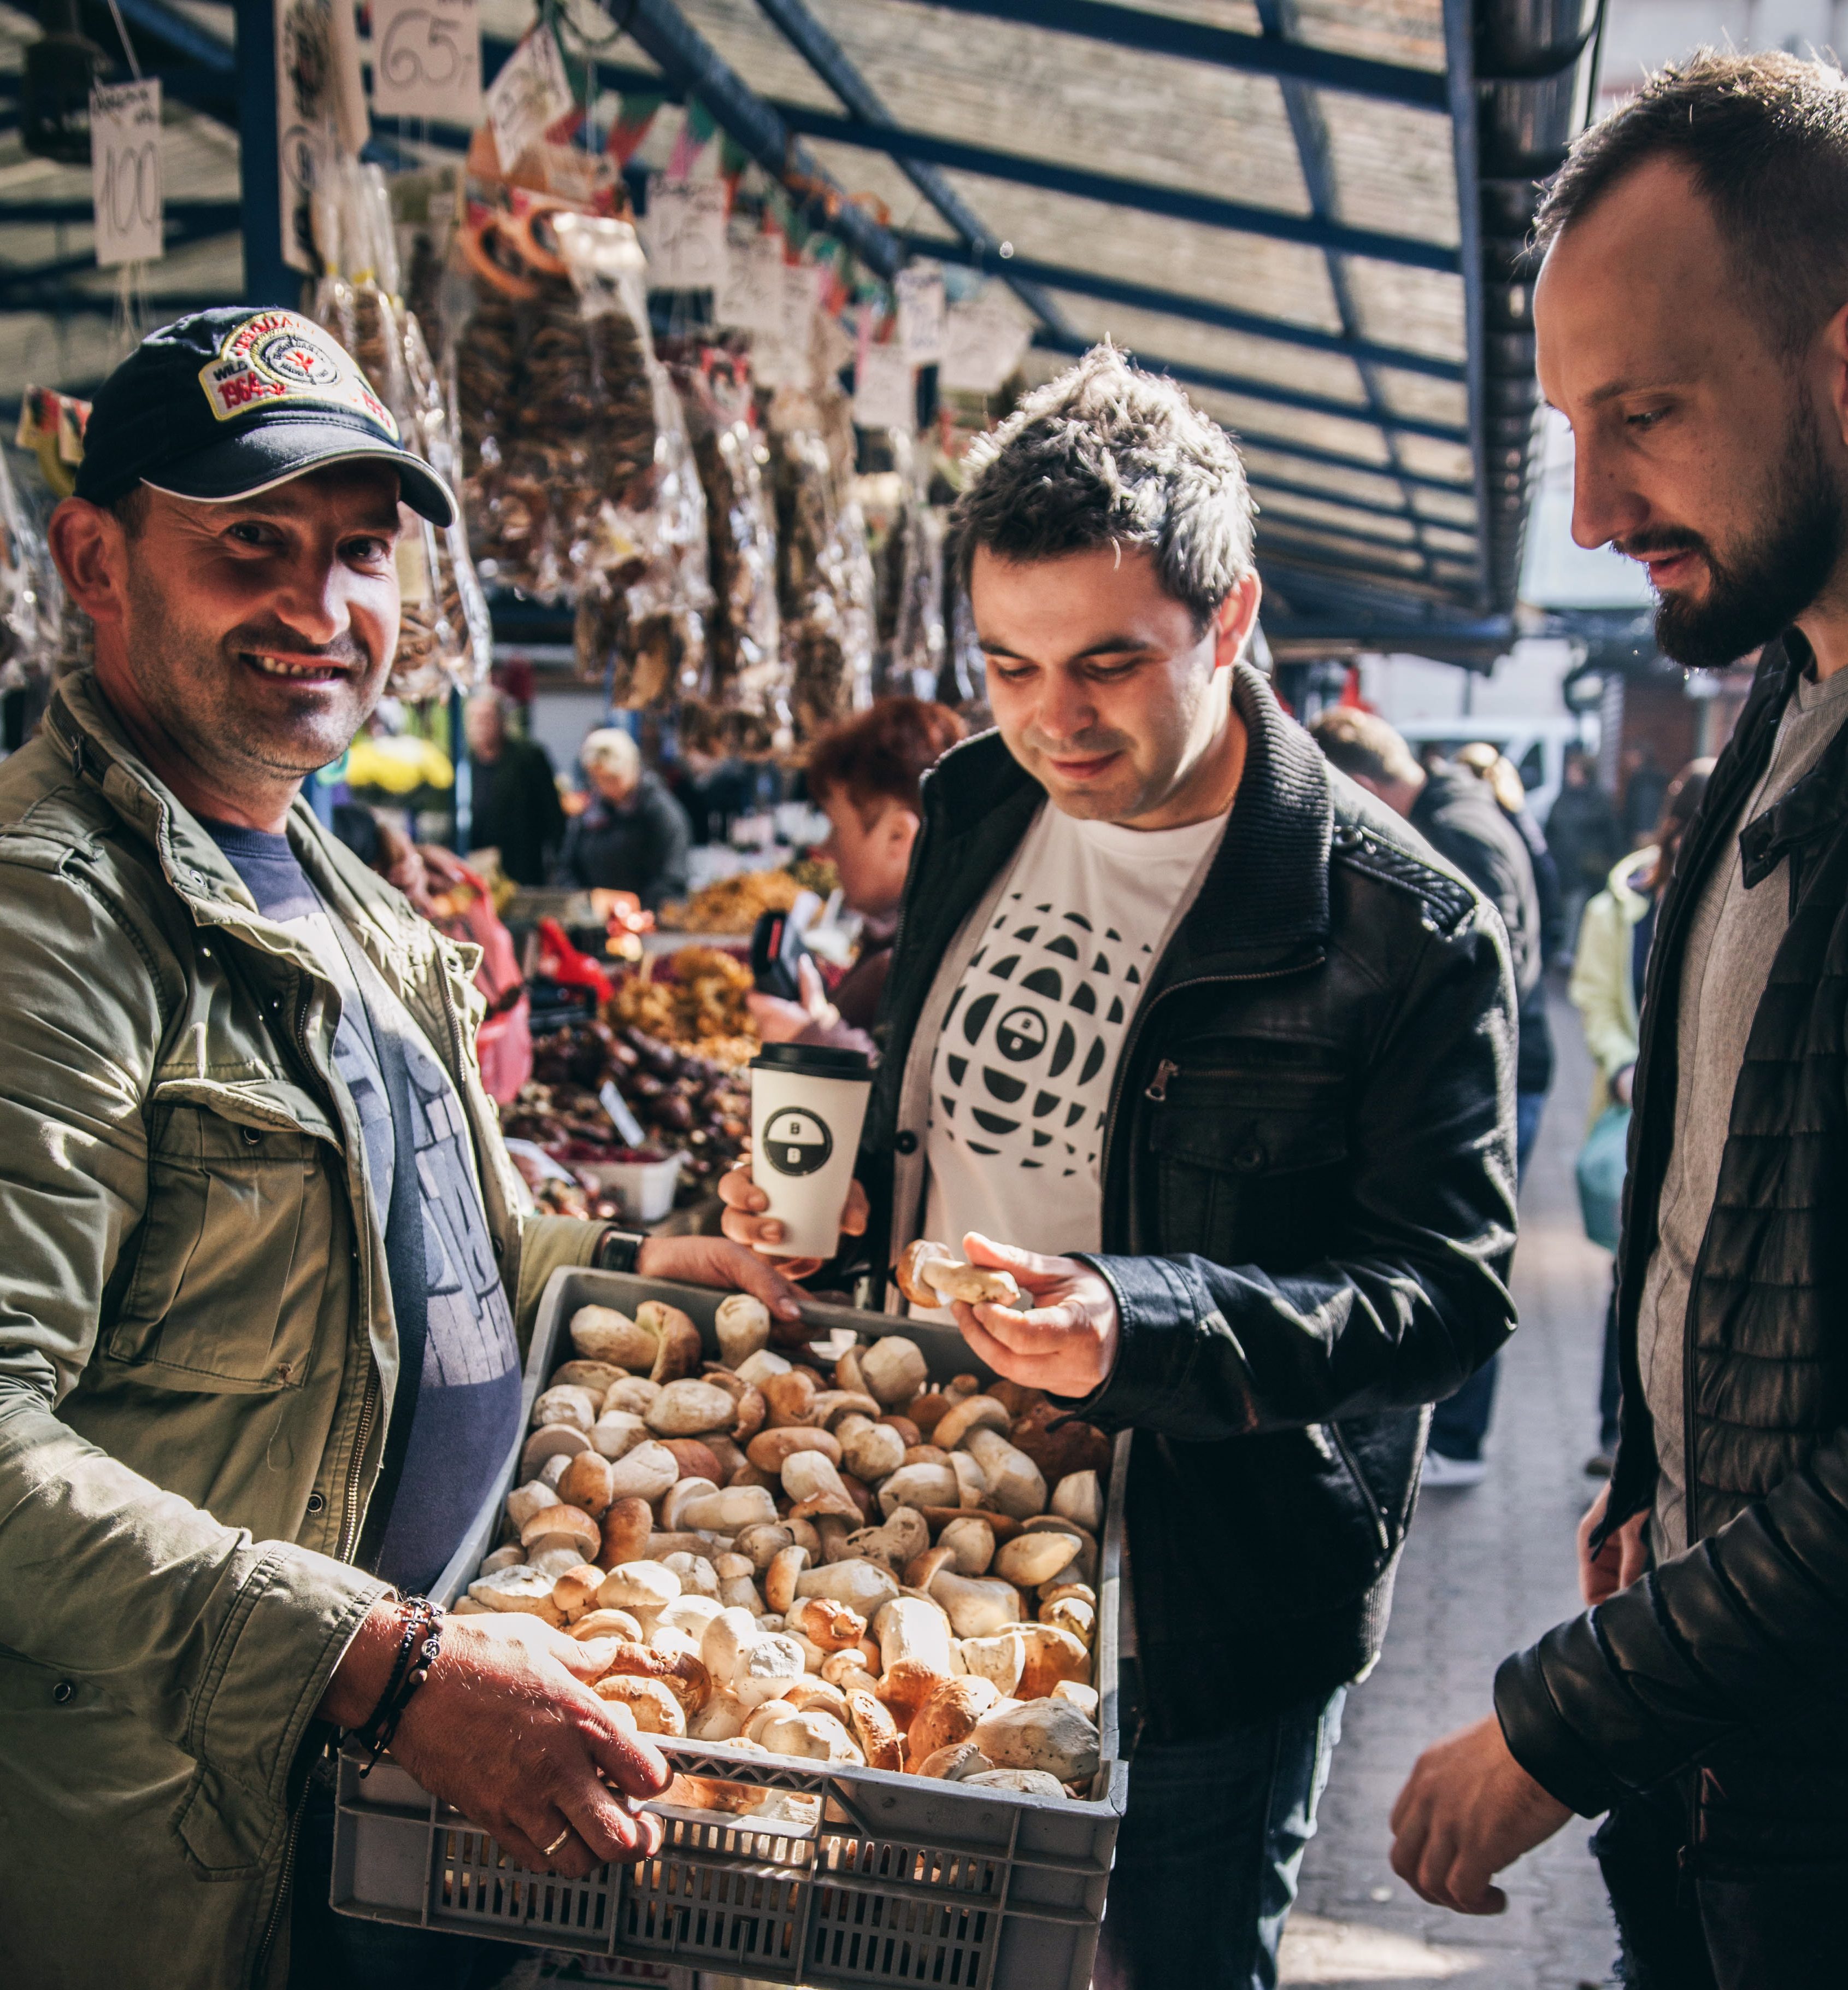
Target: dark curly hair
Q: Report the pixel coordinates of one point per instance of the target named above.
(882, 754)
(1106, 455)
(1765, 138)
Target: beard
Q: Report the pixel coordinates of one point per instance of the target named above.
(1758, 590)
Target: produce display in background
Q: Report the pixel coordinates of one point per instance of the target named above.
(695, 999)
(824, 583)
(828, 1561)
(687, 1101)
(733, 905)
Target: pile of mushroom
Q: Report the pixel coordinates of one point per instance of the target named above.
(856, 1567)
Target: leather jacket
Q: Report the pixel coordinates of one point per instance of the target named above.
(1308, 1206)
(1719, 1672)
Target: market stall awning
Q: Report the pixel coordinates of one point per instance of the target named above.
(1311, 212)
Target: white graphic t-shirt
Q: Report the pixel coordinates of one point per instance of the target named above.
(1020, 1077)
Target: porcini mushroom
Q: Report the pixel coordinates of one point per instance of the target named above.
(601, 1333)
(742, 1324)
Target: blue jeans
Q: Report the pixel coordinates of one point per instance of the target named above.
(1210, 1851)
(1460, 1422)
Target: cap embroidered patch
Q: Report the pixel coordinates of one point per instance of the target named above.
(278, 356)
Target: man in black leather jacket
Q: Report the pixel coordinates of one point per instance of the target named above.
(1278, 1225)
(1693, 320)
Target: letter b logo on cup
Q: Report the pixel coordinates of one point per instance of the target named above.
(796, 1142)
(807, 1103)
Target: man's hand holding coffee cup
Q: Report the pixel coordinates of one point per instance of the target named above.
(745, 1223)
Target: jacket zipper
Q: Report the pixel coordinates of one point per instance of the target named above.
(291, 1839)
(1167, 1068)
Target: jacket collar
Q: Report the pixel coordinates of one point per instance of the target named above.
(1812, 807)
(1266, 891)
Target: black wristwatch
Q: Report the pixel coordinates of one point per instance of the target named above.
(618, 1250)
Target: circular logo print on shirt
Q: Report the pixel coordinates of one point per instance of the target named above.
(796, 1142)
(1020, 1034)
(298, 360)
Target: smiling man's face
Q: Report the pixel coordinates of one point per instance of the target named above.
(1102, 685)
(258, 633)
(1700, 452)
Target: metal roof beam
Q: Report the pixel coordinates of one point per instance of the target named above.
(1255, 55)
(1460, 45)
(1137, 196)
(829, 61)
(1254, 389)
(1176, 304)
(1284, 486)
(1310, 130)
(1335, 459)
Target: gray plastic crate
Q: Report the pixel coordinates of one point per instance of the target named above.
(902, 1880)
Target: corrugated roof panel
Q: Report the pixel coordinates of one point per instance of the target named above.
(1418, 395)
(1070, 100)
(1419, 308)
(1282, 279)
(1288, 507)
(743, 35)
(1394, 168)
(1154, 334)
(1411, 31)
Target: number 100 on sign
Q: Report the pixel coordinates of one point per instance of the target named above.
(125, 168)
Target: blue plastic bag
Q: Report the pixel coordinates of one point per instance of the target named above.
(1603, 1163)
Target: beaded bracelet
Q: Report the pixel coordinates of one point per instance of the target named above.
(409, 1669)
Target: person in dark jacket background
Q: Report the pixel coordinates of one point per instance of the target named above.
(1582, 832)
(1196, 1040)
(1457, 814)
(633, 835)
(1692, 313)
(1502, 778)
(514, 794)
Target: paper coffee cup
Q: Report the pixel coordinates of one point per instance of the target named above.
(807, 1101)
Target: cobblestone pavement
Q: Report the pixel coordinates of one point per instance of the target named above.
(1485, 1571)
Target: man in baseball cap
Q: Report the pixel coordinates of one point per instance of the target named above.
(269, 1272)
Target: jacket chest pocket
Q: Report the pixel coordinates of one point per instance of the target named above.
(231, 1256)
(1247, 1165)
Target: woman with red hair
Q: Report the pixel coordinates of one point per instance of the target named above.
(865, 775)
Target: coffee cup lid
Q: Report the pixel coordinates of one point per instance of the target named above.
(813, 1060)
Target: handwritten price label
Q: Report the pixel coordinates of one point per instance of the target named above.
(684, 234)
(885, 389)
(426, 59)
(752, 297)
(125, 169)
(921, 313)
(531, 92)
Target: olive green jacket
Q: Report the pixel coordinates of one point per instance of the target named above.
(197, 1358)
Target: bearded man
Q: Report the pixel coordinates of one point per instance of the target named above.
(1693, 320)
(269, 1273)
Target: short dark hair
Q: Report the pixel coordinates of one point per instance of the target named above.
(1765, 138)
(130, 510)
(883, 754)
(1362, 744)
(1106, 455)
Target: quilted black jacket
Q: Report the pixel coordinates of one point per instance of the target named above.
(1723, 1668)
(1308, 1204)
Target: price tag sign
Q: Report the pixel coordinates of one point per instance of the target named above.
(885, 388)
(125, 172)
(982, 345)
(531, 92)
(802, 293)
(922, 310)
(684, 234)
(752, 299)
(426, 60)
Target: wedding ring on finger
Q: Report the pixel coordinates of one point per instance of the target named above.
(547, 1850)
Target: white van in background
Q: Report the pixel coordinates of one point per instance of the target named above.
(1537, 746)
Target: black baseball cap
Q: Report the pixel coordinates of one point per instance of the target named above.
(228, 402)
